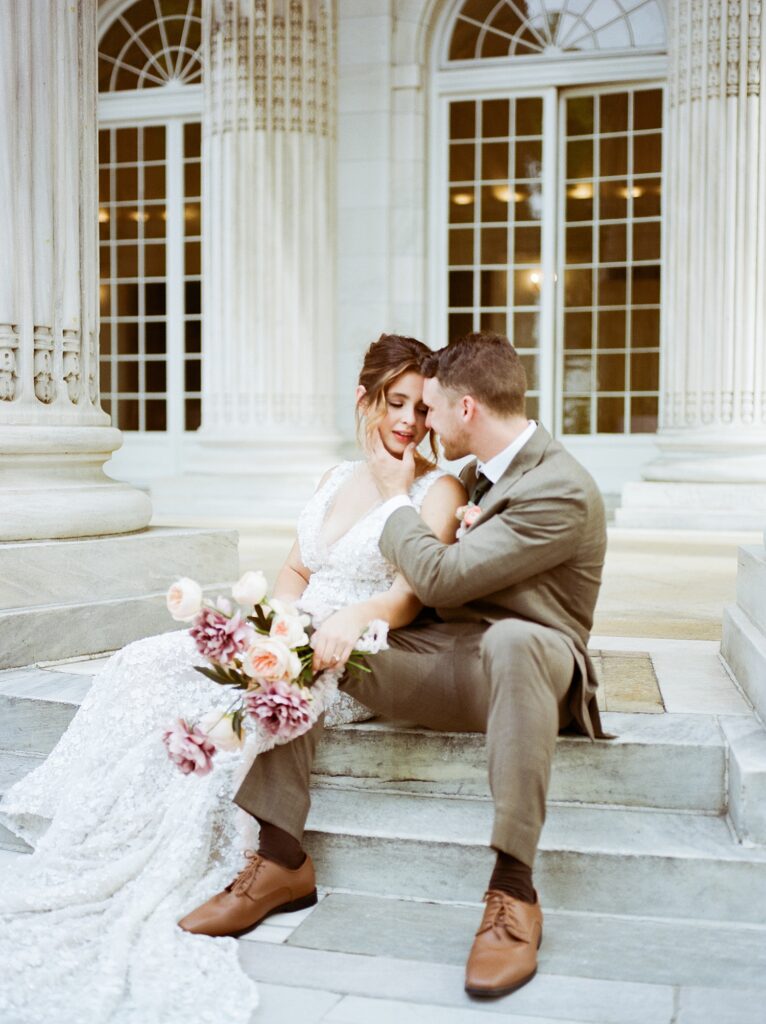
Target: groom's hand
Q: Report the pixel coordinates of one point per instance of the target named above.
(393, 476)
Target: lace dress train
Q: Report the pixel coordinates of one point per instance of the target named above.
(124, 845)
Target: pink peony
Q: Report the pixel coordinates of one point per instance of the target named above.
(282, 709)
(189, 748)
(220, 638)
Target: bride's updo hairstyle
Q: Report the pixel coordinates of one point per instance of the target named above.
(385, 360)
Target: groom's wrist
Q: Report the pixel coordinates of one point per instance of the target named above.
(392, 504)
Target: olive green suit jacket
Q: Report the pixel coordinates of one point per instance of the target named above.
(535, 553)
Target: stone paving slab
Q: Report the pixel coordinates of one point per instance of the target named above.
(562, 999)
(586, 945)
(357, 1010)
(283, 1004)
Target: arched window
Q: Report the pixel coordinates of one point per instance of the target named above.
(151, 43)
(551, 178)
(513, 28)
(150, 107)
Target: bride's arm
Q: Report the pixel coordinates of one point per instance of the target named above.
(292, 579)
(397, 606)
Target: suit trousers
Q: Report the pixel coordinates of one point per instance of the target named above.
(509, 680)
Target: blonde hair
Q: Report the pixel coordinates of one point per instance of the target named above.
(384, 362)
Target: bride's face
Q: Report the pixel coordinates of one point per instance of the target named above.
(404, 420)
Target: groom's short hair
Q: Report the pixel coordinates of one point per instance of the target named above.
(485, 366)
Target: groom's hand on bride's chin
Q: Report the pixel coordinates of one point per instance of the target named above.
(393, 476)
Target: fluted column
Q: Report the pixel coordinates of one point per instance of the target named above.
(712, 437)
(268, 336)
(54, 436)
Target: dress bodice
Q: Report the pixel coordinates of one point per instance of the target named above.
(350, 569)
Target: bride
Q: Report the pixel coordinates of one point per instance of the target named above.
(124, 844)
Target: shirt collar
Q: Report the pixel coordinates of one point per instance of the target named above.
(494, 468)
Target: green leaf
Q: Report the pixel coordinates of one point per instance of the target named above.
(214, 674)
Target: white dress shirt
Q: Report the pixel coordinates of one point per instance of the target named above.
(493, 469)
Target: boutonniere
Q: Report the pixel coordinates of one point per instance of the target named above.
(466, 515)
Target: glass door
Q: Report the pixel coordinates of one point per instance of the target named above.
(608, 307)
(501, 238)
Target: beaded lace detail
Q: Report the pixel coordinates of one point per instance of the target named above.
(125, 845)
(349, 570)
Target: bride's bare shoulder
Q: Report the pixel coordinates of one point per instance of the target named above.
(442, 500)
(447, 489)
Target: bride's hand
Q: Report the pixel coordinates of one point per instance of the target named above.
(392, 476)
(334, 641)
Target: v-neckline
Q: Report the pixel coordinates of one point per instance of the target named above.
(330, 504)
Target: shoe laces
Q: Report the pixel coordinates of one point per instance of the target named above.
(241, 884)
(502, 915)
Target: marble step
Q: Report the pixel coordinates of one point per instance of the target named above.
(669, 761)
(743, 648)
(353, 988)
(72, 598)
(599, 859)
(82, 569)
(751, 584)
(584, 945)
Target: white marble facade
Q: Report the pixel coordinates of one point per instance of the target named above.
(321, 230)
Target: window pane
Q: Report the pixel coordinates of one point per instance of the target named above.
(494, 246)
(610, 416)
(602, 369)
(462, 120)
(576, 418)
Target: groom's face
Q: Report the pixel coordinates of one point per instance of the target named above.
(444, 416)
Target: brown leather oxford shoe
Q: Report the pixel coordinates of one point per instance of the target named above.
(260, 889)
(504, 953)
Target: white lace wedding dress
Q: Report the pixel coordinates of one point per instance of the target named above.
(124, 844)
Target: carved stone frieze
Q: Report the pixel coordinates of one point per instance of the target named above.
(733, 31)
(272, 66)
(714, 48)
(71, 365)
(45, 387)
(697, 49)
(715, 44)
(9, 343)
(754, 32)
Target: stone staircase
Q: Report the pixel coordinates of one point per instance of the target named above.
(647, 870)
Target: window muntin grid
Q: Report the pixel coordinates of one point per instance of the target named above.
(150, 44)
(610, 261)
(608, 287)
(136, 165)
(192, 381)
(486, 29)
(494, 224)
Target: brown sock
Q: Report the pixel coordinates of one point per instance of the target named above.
(277, 845)
(512, 876)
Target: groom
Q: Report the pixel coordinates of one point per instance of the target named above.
(505, 652)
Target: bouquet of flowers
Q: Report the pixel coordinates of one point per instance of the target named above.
(262, 649)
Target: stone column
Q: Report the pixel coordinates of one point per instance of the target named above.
(269, 250)
(712, 437)
(54, 436)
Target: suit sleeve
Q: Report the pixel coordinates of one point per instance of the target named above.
(527, 538)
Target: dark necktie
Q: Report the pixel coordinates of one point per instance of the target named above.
(480, 488)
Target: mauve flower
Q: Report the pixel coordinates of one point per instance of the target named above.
(188, 748)
(219, 638)
(282, 709)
